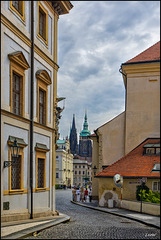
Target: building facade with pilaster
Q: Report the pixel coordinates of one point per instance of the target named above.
(29, 106)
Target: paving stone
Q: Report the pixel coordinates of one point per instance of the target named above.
(86, 223)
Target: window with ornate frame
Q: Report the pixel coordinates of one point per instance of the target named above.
(16, 169)
(43, 80)
(41, 151)
(19, 8)
(42, 23)
(18, 65)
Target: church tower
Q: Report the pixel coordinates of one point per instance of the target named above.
(85, 145)
(73, 138)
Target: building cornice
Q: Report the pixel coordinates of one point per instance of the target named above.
(15, 30)
(46, 58)
(60, 7)
(141, 62)
(145, 67)
(25, 120)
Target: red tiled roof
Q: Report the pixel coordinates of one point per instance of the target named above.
(92, 135)
(134, 164)
(150, 54)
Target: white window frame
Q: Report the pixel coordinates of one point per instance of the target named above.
(158, 186)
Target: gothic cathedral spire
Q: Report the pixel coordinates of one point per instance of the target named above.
(73, 137)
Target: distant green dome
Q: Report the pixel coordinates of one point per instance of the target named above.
(85, 132)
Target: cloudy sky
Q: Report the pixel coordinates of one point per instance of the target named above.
(94, 39)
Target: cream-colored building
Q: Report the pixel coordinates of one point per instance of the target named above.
(64, 164)
(142, 163)
(29, 112)
(141, 118)
(82, 172)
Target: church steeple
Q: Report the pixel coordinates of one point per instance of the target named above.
(85, 125)
(73, 137)
(85, 131)
(73, 124)
(85, 145)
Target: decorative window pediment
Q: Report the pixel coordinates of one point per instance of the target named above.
(19, 58)
(41, 147)
(43, 76)
(20, 141)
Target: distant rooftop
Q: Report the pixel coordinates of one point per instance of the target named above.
(149, 55)
(135, 163)
(59, 141)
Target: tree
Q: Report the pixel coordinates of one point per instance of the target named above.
(138, 190)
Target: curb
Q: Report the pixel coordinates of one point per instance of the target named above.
(117, 214)
(29, 231)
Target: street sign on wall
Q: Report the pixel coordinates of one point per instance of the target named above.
(143, 180)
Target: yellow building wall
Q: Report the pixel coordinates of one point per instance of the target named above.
(142, 103)
(112, 140)
(129, 187)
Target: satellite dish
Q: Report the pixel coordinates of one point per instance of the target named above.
(118, 180)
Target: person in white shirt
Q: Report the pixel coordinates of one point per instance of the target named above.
(78, 194)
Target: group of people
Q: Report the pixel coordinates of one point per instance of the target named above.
(80, 194)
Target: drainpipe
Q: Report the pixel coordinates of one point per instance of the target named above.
(120, 70)
(125, 84)
(31, 106)
(95, 131)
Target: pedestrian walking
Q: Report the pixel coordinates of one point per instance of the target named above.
(85, 194)
(78, 194)
(82, 194)
(74, 194)
(90, 195)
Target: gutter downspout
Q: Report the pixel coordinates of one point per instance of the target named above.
(31, 106)
(95, 131)
(120, 70)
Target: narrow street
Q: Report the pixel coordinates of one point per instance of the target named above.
(91, 224)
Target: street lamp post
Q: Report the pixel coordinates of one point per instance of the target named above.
(15, 149)
(94, 170)
(86, 178)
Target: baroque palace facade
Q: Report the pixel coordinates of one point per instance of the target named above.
(29, 112)
(64, 164)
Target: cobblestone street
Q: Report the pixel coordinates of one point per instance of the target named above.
(91, 224)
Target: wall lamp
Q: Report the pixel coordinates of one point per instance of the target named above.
(94, 169)
(15, 149)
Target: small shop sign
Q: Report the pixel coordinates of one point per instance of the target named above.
(136, 182)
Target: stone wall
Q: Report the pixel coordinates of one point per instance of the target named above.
(149, 208)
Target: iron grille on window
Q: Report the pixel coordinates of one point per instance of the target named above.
(16, 174)
(40, 175)
(41, 107)
(16, 94)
